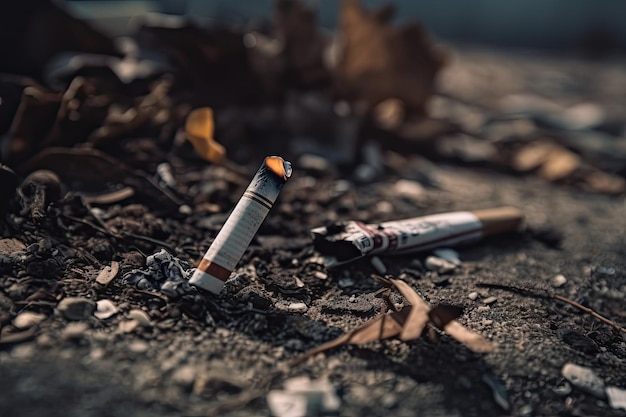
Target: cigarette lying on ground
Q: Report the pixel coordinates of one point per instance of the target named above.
(242, 224)
(344, 242)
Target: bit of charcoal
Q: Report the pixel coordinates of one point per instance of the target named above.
(578, 341)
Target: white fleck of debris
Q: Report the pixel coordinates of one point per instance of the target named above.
(490, 300)
(184, 376)
(185, 209)
(320, 275)
(584, 379)
(378, 265)
(439, 265)
(74, 331)
(105, 309)
(617, 397)
(28, 319)
(297, 308)
(408, 188)
(449, 255)
(140, 316)
(303, 397)
(559, 281)
(473, 295)
(138, 346)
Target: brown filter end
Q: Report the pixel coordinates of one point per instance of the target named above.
(500, 220)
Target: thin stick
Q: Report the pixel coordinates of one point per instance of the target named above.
(533, 292)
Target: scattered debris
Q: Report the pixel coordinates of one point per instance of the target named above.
(439, 265)
(584, 379)
(303, 397)
(344, 242)
(407, 323)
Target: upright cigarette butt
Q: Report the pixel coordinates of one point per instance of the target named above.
(499, 220)
(242, 224)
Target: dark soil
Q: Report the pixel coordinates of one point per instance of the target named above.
(215, 355)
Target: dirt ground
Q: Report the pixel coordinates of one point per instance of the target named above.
(205, 355)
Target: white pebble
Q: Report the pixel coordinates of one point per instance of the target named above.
(559, 281)
(297, 308)
(28, 319)
(490, 300)
(617, 397)
(434, 263)
(473, 295)
(105, 309)
(584, 379)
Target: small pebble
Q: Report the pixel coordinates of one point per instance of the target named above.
(617, 397)
(76, 308)
(378, 265)
(439, 265)
(74, 331)
(184, 376)
(489, 300)
(320, 275)
(559, 281)
(449, 255)
(297, 307)
(138, 346)
(140, 316)
(473, 295)
(28, 319)
(105, 309)
(584, 379)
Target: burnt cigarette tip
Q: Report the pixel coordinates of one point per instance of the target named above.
(500, 220)
(279, 166)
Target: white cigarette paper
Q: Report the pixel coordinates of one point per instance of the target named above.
(348, 241)
(235, 236)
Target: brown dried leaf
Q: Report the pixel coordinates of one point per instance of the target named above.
(199, 128)
(408, 323)
(418, 315)
(381, 62)
(472, 340)
(108, 273)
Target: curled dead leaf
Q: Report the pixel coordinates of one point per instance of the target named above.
(199, 128)
(407, 323)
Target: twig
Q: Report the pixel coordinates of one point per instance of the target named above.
(537, 293)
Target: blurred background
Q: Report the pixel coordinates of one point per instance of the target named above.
(574, 25)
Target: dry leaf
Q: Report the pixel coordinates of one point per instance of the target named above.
(108, 273)
(380, 61)
(408, 323)
(199, 128)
